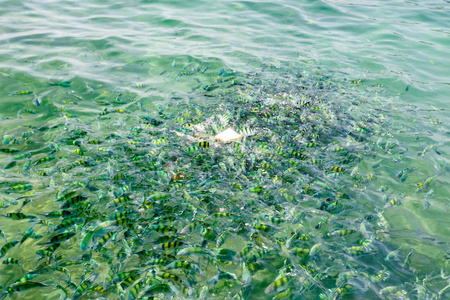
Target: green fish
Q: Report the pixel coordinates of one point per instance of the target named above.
(61, 83)
(23, 93)
(43, 160)
(60, 238)
(9, 150)
(19, 216)
(278, 285)
(83, 287)
(27, 234)
(12, 261)
(7, 247)
(24, 286)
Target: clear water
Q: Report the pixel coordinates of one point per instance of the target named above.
(385, 64)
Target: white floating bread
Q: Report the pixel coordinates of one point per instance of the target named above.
(228, 135)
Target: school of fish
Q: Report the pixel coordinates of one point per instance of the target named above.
(140, 201)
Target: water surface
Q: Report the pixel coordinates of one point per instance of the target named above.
(369, 77)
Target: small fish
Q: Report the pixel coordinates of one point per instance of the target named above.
(28, 110)
(73, 201)
(74, 95)
(359, 81)
(24, 286)
(298, 154)
(110, 276)
(170, 245)
(122, 215)
(89, 89)
(83, 287)
(393, 202)
(104, 239)
(122, 222)
(337, 169)
(59, 214)
(160, 141)
(68, 223)
(7, 247)
(157, 262)
(263, 227)
(124, 275)
(66, 196)
(25, 278)
(343, 232)
(10, 165)
(192, 148)
(377, 164)
(23, 92)
(3, 234)
(18, 216)
(204, 144)
(427, 181)
(257, 189)
(60, 238)
(300, 251)
(12, 261)
(9, 139)
(136, 290)
(388, 290)
(161, 288)
(393, 254)
(278, 285)
(9, 150)
(403, 174)
(257, 256)
(22, 156)
(185, 73)
(355, 251)
(61, 83)
(43, 253)
(407, 261)
(27, 234)
(315, 248)
(193, 250)
(43, 160)
(130, 280)
(64, 270)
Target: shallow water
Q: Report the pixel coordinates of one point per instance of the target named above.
(370, 77)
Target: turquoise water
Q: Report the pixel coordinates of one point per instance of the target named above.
(142, 71)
